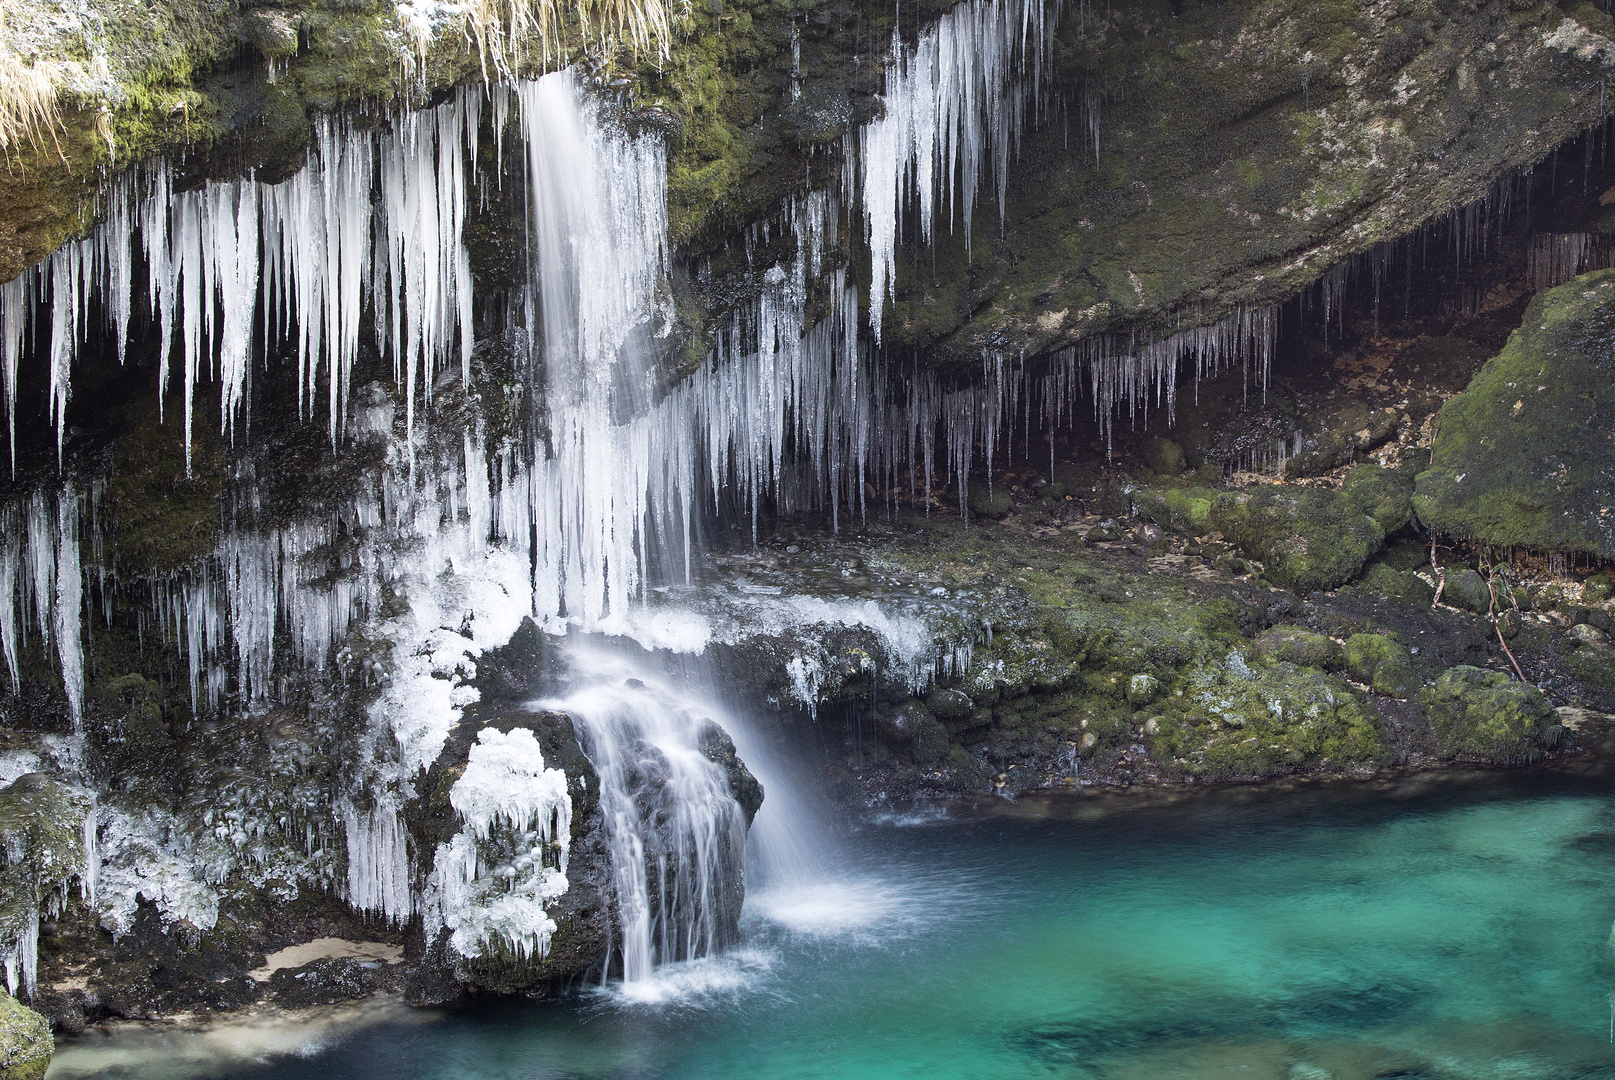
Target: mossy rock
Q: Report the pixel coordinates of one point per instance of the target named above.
(1598, 588)
(1263, 719)
(1403, 584)
(1187, 508)
(1303, 647)
(1525, 457)
(1306, 538)
(1467, 590)
(1381, 663)
(1164, 457)
(1483, 715)
(993, 503)
(26, 1045)
(1383, 494)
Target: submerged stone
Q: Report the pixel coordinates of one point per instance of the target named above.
(1525, 457)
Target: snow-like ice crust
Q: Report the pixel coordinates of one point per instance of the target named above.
(492, 882)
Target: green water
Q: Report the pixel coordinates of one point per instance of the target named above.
(1455, 929)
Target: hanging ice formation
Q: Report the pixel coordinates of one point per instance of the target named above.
(375, 219)
(954, 108)
(40, 575)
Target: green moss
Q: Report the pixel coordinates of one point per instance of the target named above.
(1487, 716)
(1523, 458)
(26, 1045)
(1306, 538)
(1467, 590)
(1187, 508)
(1383, 494)
(1381, 663)
(1263, 719)
(1302, 647)
(1598, 588)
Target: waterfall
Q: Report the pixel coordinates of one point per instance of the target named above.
(675, 830)
(446, 545)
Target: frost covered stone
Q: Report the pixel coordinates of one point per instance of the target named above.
(491, 883)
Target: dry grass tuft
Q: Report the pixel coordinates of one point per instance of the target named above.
(28, 101)
(506, 31)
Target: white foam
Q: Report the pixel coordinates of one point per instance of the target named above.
(702, 983)
(834, 908)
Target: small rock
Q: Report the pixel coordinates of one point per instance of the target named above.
(1588, 634)
(1467, 590)
(1141, 689)
(1106, 531)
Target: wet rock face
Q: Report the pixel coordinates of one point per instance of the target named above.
(1243, 149)
(1525, 457)
(26, 1045)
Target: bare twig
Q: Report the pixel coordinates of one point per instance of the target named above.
(1441, 575)
(1491, 615)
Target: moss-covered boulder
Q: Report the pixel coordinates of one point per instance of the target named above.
(26, 1045)
(1253, 719)
(1525, 457)
(1483, 715)
(1381, 663)
(1296, 645)
(994, 502)
(1185, 508)
(1383, 494)
(1467, 590)
(1380, 577)
(1305, 538)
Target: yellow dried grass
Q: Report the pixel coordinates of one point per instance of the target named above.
(507, 31)
(28, 108)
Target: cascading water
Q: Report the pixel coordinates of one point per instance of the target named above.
(451, 542)
(675, 828)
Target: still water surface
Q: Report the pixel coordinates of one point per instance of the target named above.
(1456, 927)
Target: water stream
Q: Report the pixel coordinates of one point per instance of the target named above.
(1452, 927)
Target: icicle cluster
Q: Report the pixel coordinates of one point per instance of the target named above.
(378, 862)
(375, 220)
(954, 108)
(1555, 258)
(40, 575)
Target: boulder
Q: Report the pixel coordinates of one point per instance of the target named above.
(1467, 590)
(1386, 495)
(1303, 647)
(1385, 666)
(992, 503)
(1306, 538)
(1483, 715)
(26, 1045)
(1525, 457)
